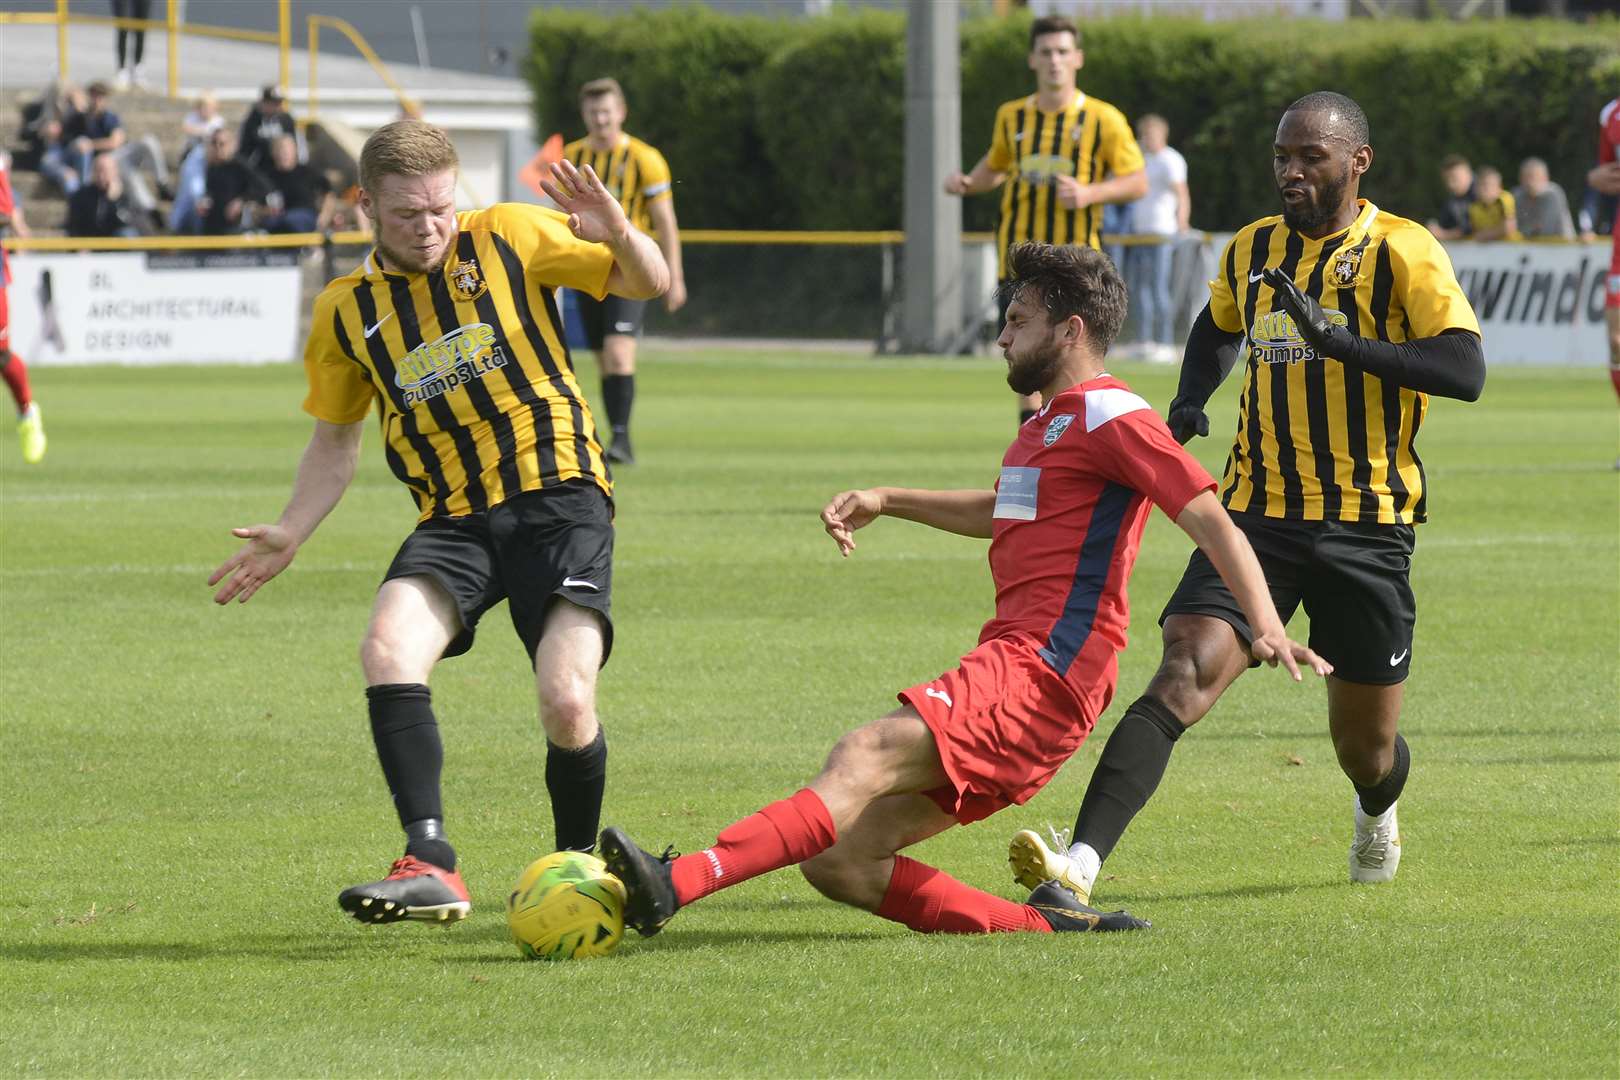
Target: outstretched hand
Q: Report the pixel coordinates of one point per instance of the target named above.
(268, 550)
(1316, 329)
(1274, 647)
(594, 215)
(848, 511)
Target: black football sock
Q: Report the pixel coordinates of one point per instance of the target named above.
(1024, 415)
(575, 780)
(425, 840)
(1382, 795)
(1127, 774)
(408, 748)
(619, 395)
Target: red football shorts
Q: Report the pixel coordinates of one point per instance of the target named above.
(1004, 723)
(1613, 297)
(5, 319)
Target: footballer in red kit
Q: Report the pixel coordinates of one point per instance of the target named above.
(1064, 520)
(1075, 491)
(30, 427)
(1605, 179)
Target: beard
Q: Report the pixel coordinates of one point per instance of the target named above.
(1034, 370)
(1321, 208)
(412, 263)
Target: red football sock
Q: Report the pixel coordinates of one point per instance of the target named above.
(931, 901)
(15, 372)
(786, 832)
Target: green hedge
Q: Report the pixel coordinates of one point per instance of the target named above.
(799, 124)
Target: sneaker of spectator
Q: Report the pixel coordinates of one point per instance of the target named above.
(1540, 205)
(102, 206)
(1492, 215)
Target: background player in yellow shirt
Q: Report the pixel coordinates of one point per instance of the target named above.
(1059, 155)
(638, 176)
(1352, 317)
(451, 327)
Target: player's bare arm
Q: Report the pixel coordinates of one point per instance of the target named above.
(324, 474)
(668, 236)
(966, 513)
(1605, 179)
(1206, 521)
(983, 178)
(1073, 195)
(594, 215)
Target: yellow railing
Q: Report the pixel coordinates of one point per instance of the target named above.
(406, 102)
(171, 24)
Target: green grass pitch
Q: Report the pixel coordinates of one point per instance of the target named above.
(186, 789)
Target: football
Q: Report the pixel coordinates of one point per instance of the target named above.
(566, 906)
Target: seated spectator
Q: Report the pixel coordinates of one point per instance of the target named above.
(1540, 205)
(80, 138)
(1458, 176)
(1491, 216)
(267, 119)
(103, 206)
(299, 199)
(202, 121)
(230, 187)
(42, 119)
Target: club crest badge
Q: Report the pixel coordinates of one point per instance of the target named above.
(468, 280)
(1055, 430)
(1346, 268)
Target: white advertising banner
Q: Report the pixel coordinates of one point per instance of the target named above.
(1537, 303)
(113, 307)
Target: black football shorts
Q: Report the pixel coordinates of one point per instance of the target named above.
(1353, 578)
(528, 550)
(611, 315)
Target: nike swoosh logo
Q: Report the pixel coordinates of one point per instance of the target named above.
(575, 583)
(1254, 277)
(373, 328)
(942, 695)
(1398, 657)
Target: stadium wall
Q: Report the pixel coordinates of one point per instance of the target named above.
(799, 125)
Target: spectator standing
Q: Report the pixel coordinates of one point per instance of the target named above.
(1540, 205)
(1493, 214)
(104, 206)
(1164, 213)
(230, 186)
(1458, 176)
(130, 72)
(267, 120)
(299, 198)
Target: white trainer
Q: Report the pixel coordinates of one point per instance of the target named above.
(1376, 850)
(1033, 862)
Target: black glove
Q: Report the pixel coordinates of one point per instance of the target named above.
(1318, 331)
(1186, 420)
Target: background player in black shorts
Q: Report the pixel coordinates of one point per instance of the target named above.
(450, 329)
(638, 176)
(1352, 318)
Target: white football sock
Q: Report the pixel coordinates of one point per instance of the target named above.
(1086, 860)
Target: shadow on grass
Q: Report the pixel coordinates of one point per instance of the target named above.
(278, 947)
(1128, 897)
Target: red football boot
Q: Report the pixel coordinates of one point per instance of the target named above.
(413, 889)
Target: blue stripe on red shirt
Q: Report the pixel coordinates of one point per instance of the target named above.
(1073, 627)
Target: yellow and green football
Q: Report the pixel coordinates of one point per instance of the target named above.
(566, 906)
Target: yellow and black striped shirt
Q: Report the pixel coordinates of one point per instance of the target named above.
(474, 386)
(633, 171)
(1089, 140)
(1316, 441)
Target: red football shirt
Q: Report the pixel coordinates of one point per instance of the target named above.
(1071, 504)
(6, 207)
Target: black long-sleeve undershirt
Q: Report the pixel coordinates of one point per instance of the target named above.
(1450, 364)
